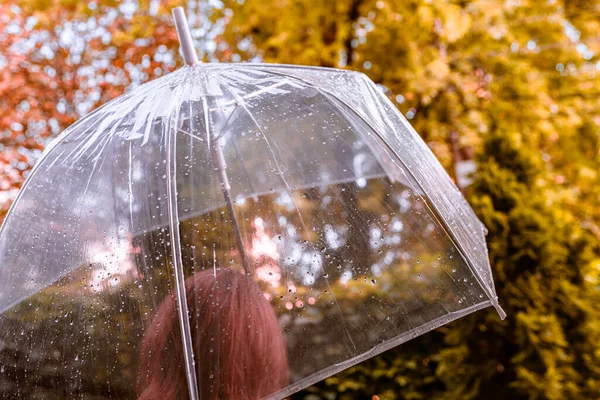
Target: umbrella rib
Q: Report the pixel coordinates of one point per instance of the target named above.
(218, 160)
(177, 261)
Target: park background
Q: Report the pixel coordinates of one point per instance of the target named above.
(505, 93)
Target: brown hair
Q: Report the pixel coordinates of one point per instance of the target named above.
(239, 350)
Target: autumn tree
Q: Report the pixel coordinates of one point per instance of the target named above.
(516, 81)
(60, 59)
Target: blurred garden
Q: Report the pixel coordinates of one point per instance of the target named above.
(505, 93)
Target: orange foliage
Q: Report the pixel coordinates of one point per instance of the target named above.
(60, 59)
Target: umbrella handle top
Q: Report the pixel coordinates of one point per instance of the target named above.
(185, 38)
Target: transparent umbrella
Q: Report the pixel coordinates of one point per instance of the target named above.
(231, 231)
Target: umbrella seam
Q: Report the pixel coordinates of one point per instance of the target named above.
(252, 65)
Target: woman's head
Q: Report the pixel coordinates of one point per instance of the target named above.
(239, 350)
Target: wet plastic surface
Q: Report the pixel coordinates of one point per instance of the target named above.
(112, 259)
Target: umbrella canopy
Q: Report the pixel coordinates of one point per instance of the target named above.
(119, 259)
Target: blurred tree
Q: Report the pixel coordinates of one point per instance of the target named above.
(518, 81)
(59, 59)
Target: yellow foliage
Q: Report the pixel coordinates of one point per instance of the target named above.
(456, 23)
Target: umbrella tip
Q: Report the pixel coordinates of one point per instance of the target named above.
(185, 38)
(499, 310)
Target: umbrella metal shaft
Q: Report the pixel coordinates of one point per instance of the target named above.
(190, 58)
(185, 39)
